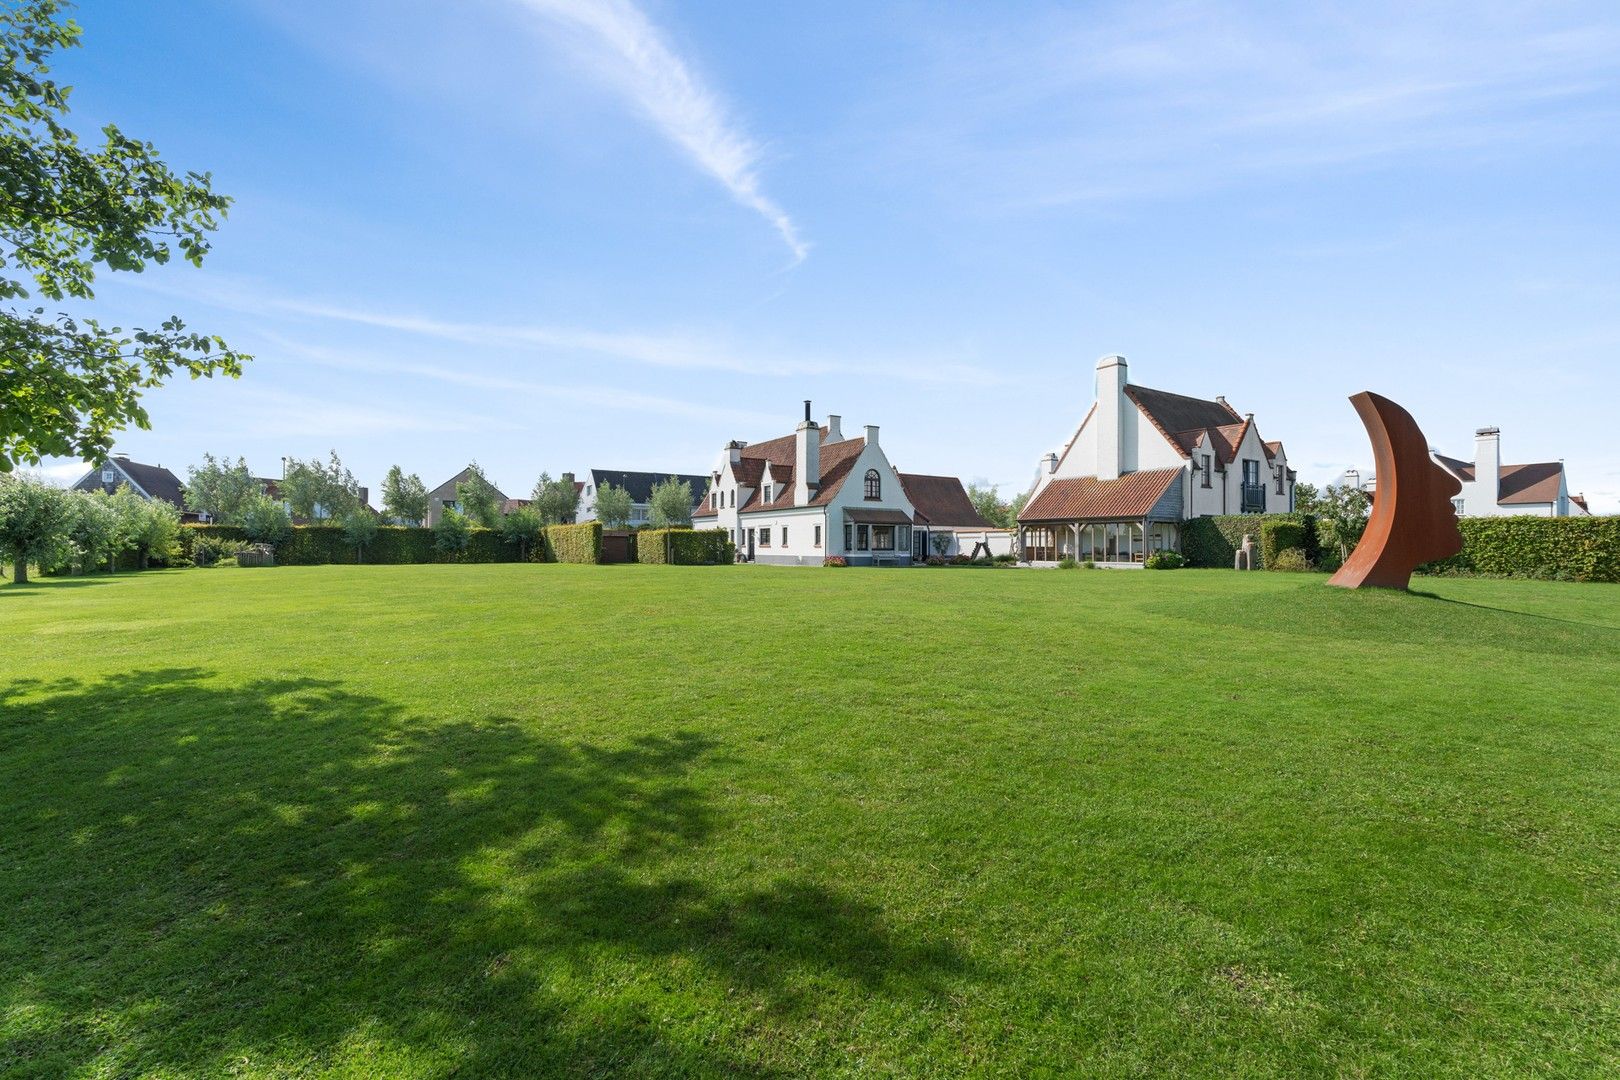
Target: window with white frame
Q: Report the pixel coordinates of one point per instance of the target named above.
(874, 484)
(784, 536)
(817, 542)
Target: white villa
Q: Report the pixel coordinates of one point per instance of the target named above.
(799, 498)
(1142, 462)
(1492, 489)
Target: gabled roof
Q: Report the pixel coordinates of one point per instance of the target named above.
(1537, 482)
(1177, 415)
(1516, 485)
(1580, 501)
(942, 501)
(836, 459)
(153, 481)
(446, 492)
(1085, 498)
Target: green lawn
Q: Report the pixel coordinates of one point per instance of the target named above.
(525, 819)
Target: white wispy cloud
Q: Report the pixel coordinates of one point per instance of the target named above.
(1148, 100)
(666, 349)
(625, 50)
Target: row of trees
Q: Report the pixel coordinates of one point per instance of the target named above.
(54, 529)
(1002, 515)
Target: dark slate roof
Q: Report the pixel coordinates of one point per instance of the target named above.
(641, 484)
(156, 481)
(1175, 414)
(942, 501)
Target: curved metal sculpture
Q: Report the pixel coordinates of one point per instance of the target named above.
(1412, 520)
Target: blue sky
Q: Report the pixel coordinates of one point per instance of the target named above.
(557, 234)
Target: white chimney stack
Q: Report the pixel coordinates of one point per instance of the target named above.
(1112, 375)
(806, 459)
(1049, 463)
(871, 435)
(835, 430)
(1488, 461)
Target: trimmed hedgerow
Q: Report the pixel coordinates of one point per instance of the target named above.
(685, 547)
(1551, 549)
(314, 545)
(570, 544)
(1278, 535)
(1213, 541)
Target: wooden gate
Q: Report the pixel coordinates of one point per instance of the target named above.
(615, 546)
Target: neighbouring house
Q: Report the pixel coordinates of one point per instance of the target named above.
(444, 496)
(638, 484)
(147, 481)
(944, 521)
(1140, 464)
(1492, 489)
(799, 498)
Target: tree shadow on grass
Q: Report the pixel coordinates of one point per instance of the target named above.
(286, 875)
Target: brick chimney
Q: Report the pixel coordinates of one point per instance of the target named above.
(806, 459)
(1488, 461)
(1112, 375)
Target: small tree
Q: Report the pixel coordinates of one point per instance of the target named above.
(612, 506)
(522, 527)
(359, 529)
(35, 522)
(319, 492)
(264, 520)
(451, 532)
(129, 510)
(988, 504)
(1306, 497)
(477, 498)
(219, 489)
(670, 504)
(157, 532)
(556, 501)
(1341, 515)
(94, 532)
(405, 498)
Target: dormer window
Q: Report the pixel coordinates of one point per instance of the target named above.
(1206, 470)
(874, 484)
(767, 496)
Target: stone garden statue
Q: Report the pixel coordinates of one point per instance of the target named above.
(1244, 560)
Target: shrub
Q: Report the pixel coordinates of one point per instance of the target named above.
(1552, 549)
(1213, 541)
(209, 550)
(934, 560)
(1164, 560)
(1068, 563)
(685, 547)
(960, 560)
(1278, 535)
(451, 533)
(1006, 558)
(835, 560)
(1089, 564)
(1290, 560)
(571, 543)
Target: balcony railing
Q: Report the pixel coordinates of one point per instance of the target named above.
(1253, 498)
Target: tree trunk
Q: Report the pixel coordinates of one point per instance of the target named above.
(21, 576)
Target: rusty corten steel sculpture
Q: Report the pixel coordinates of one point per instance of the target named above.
(1412, 520)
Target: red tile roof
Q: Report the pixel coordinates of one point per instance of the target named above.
(1085, 498)
(942, 501)
(836, 461)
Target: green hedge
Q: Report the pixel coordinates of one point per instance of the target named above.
(685, 547)
(571, 544)
(1213, 541)
(1279, 535)
(1555, 549)
(314, 545)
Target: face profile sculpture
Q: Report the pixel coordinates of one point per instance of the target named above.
(1412, 520)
